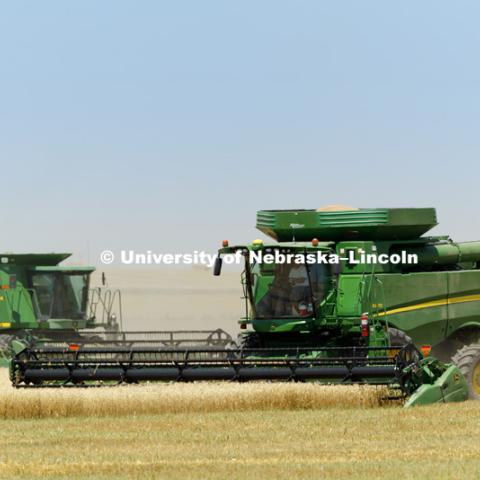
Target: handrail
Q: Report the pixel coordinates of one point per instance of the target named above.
(108, 299)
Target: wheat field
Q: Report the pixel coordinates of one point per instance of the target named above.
(235, 431)
(164, 398)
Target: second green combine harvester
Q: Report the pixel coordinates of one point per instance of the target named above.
(343, 296)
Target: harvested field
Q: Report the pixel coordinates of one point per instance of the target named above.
(214, 431)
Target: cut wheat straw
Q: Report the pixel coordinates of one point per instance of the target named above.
(177, 398)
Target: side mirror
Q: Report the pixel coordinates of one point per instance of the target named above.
(336, 269)
(217, 267)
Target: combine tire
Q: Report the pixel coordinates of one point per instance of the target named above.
(467, 359)
(398, 338)
(249, 341)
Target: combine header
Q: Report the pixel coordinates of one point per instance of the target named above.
(351, 321)
(423, 380)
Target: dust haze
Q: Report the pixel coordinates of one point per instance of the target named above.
(176, 299)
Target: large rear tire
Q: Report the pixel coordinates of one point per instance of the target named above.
(467, 359)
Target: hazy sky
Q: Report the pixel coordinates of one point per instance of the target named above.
(166, 125)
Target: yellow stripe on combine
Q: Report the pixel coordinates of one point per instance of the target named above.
(467, 298)
(435, 303)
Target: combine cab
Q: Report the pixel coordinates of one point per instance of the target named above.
(320, 309)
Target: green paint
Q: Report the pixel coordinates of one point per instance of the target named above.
(431, 301)
(38, 295)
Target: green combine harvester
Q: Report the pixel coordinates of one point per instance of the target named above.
(44, 303)
(318, 308)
